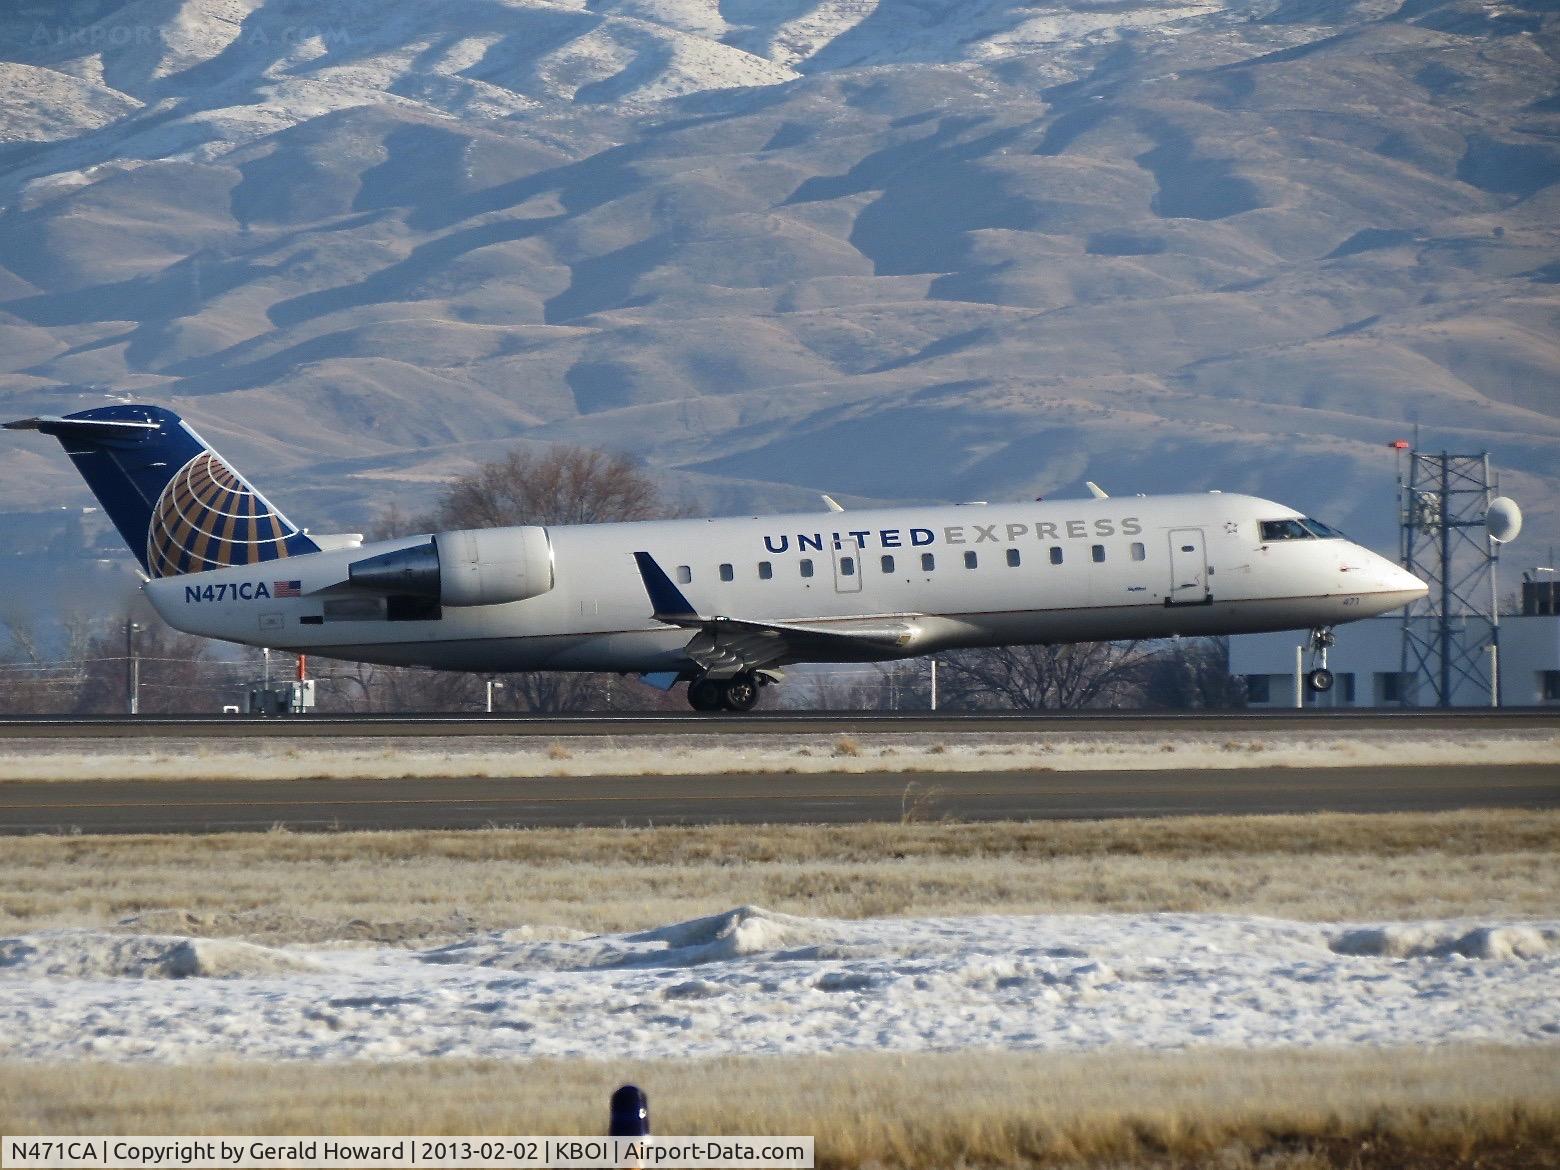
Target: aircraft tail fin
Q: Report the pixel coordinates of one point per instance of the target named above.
(179, 505)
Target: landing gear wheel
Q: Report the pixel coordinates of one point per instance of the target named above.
(740, 693)
(1320, 680)
(704, 694)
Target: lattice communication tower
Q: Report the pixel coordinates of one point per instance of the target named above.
(1448, 636)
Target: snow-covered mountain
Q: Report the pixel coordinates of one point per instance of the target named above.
(894, 249)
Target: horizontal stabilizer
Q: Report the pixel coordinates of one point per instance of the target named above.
(330, 540)
(96, 428)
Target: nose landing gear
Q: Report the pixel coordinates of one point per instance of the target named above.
(1320, 679)
(738, 693)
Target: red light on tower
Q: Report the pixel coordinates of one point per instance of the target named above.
(1399, 444)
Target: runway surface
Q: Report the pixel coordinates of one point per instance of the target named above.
(778, 723)
(217, 806)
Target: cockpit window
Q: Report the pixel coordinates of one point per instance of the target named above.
(1322, 530)
(1276, 530)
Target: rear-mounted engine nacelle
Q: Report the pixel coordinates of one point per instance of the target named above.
(472, 566)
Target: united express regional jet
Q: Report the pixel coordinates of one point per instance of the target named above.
(721, 604)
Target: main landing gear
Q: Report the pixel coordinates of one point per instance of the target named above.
(738, 693)
(1320, 680)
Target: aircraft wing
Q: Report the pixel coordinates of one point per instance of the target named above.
(723, 646)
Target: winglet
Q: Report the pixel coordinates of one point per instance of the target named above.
(832, 504)
(666, 600)
(1095, 490)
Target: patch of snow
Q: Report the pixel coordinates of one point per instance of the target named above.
(752, 981)
(94, 954)
(201, 65)
(1041, 32)
(1439, 941)
(42, 105)
(792, 42)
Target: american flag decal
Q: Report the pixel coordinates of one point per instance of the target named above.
(286, 588)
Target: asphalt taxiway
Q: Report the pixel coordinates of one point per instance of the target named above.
(170, 806)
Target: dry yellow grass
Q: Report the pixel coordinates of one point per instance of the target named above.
(292, 758)
(1224, 1109)
(282, 887)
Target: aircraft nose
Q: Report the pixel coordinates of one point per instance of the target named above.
(1396, 579)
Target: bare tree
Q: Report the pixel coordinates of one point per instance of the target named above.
(896, 685)
(36, 679)
(853, 688)
(564, 485)
(1083, 674)
(393, 521)
(1193, 673)
(84, 667)
(176, 671)
(363, 687)
(556, 691)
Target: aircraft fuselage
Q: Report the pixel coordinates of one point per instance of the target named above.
(937, 577)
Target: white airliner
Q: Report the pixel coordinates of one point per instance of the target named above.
(721, 603)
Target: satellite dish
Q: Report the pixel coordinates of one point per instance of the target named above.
(1504, 520)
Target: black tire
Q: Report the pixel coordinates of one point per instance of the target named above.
(740, 693)
(1319, 680)
(704, 694)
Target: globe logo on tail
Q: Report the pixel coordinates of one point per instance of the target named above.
(207, 518)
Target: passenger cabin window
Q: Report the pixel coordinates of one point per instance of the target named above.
(684, 575)
(1012, 558)
(807, 567)
(970, 560)
(727, 573)
(1276, 530)
(928, 562)
(847, 566)
(766, 570)
(1138, 551)
(888, 564)
(1098, 553)
(1056, 554)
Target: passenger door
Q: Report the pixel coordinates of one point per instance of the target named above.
(847, 569)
